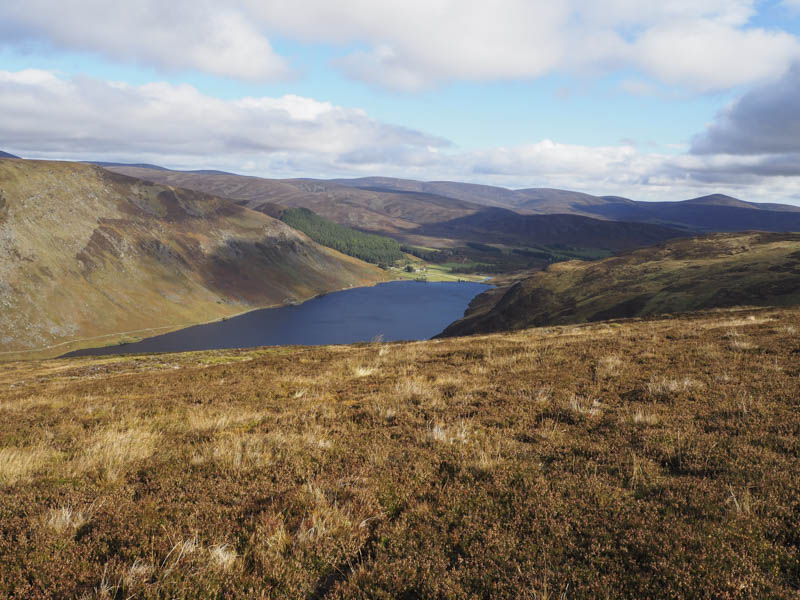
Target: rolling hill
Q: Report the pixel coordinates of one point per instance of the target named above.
(85, 253)
(413, 212)
(715, 212)
(368, 210)
(405, 208)
(718, 270)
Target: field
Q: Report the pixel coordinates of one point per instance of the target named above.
(630, 459)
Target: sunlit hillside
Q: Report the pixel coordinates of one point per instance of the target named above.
(631, 459)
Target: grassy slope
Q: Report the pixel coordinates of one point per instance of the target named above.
(712, 271)
(643, 459)
(85, 252)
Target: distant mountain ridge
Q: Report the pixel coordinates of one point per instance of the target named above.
(397, 206)
(416, 214)
(7, 155)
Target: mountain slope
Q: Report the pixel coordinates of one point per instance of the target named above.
(486, 195)
(85, 252)
(555, 201)
(7, 155)
(500, 225)
(375, 211)
(707, 214)
(413, 213)
(719, 270)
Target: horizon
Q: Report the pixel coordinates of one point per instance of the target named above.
(216, 171)
(649, 102)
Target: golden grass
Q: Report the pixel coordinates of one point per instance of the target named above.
(20, 464)
(112, 452)
(651, 459)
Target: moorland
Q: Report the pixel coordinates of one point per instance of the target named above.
(645, 458)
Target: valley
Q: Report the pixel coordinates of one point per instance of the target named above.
(89, 253)
(610, 419)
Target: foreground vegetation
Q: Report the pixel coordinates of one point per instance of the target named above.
(633, 459)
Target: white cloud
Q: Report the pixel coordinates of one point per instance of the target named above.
(43, 113)
(711, 56)
(703, 45)
(202, 35)
(45, 116)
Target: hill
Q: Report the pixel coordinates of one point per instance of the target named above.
(503, 226)
(398, 206)
(85, 252)
(485, 195)
(415, 214)
(7, 155)
(686, 214)
(682, 275)
(373, 211)
(636, 459)
(707, 214)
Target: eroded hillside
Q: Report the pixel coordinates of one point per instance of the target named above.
(85, 252)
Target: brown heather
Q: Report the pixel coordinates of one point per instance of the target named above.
(635, 459)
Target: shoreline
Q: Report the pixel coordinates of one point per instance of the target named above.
(163, 329)
(80, 344)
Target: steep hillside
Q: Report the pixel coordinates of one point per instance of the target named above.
(713, 271)
(630, 460)
(85, 252)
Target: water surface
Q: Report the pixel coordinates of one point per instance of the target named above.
(397, 310)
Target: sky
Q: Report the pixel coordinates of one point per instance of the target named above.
(652, 100)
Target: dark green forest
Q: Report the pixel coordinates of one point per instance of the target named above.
(368, 247)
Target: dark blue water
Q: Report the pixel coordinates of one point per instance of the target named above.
(398, 310)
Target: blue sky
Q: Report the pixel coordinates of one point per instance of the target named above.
(631, 98)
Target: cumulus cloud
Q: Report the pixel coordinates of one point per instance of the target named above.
(707, 55)
(47, 115)
(43, 115)
(766, 120)
(702, 45)
(202, 35)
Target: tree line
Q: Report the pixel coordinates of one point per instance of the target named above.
(368, 247)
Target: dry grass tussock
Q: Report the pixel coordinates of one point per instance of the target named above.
(20, 464)
(528, 465)
(69, 519)
(665, 388)
(112, 452)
